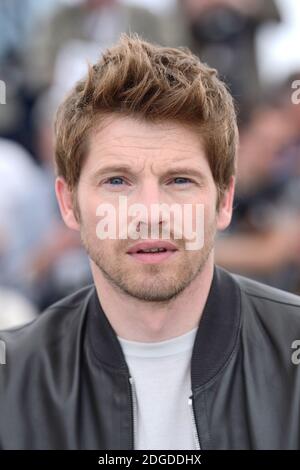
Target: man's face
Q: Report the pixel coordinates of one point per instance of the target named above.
(166, 164)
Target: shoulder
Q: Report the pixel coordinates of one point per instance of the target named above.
(58, 324)
(272, 312)
(267, 294)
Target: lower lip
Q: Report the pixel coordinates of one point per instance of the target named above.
(152, 258)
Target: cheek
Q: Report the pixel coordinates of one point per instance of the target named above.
(208, 201)
(88, 203)
(209, 222)
(210, 211)
(90, 220)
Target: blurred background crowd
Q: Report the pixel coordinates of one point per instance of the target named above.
(44, 49)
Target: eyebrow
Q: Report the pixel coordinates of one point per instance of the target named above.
(124, 168)
(111, 169)
(187, 171)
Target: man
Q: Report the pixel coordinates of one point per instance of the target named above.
(165, 350)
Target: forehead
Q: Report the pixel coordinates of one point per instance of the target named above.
(137, 142)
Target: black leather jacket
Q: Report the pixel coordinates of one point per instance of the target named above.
(66, 384)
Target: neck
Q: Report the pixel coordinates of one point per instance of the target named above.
(136, 320)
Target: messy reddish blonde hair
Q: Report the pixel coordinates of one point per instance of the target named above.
(140, 79)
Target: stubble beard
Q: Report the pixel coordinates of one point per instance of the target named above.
(161, 282)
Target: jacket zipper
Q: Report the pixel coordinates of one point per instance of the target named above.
(196, 437)
(133, 411)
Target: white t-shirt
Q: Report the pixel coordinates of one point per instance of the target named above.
(162, 380)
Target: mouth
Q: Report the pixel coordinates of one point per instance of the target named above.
(152, 252)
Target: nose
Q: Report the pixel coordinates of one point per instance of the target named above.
(149, 196)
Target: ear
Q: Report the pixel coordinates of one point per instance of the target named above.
(225, 208)
(65, 201)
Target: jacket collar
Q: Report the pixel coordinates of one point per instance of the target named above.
(215, 339)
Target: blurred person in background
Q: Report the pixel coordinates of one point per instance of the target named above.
(289, 98)
(21, 228)
(39, 258)
(264, 238)
(17, 19)
(75, 33)
(222, 33)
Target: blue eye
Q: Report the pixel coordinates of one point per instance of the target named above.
(113, 180)
(182, 180)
